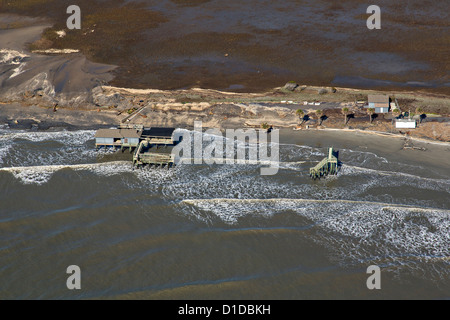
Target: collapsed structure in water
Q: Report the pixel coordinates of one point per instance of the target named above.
(329, 165)
(153, 146)
(150, 146)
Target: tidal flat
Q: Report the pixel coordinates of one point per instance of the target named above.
(254, 45)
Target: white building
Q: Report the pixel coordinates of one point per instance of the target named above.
(405, 124)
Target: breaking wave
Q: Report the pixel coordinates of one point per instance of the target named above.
(67, 137)
(11, 56)
(42, 174)
(354, 231)
(377, 221)
(46, 148)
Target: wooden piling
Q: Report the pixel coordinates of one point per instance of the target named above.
(328, 165)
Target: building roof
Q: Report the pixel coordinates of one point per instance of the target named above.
(157, 132)
(378, 98)
(118, 133)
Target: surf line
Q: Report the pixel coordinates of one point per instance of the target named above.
(326, 201)
(62, 166)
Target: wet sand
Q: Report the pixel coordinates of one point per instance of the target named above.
(436, 156)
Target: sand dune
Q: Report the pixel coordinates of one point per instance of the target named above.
(62, 78)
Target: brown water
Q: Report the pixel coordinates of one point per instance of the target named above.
(222, 231)
(263, 44)
(255, 45)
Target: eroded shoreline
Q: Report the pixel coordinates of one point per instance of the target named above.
(47, 92)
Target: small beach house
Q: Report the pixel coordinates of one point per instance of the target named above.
(379, 102)
(125, 138)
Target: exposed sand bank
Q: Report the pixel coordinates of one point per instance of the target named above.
(25, 76)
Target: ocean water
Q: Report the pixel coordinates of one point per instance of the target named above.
(218, 231)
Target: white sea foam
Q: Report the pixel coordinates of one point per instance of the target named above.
(71, 148)
(42, 174)
(33, 175)
(67, 137)
(365, 154)
(392, 179)
(11, 56)
(276, 164)
(4, 150)
(243, 181)
(222, 181)
(354, 231)
(50, 157)
(18, 70)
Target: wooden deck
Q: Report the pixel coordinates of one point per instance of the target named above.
(143, 156)
(167, 141)
(156, 159)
